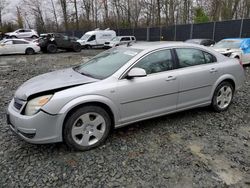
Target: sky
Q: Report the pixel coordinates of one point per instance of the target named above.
(10, 10)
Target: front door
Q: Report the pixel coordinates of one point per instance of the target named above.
(152, 95)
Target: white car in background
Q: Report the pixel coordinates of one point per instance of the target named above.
(119, 40)
(23, 33)
(18, 46)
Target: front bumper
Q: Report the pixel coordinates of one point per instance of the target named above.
(40, 128)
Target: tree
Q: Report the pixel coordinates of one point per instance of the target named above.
(54, 14)
(19, 17)
(2, 5)
(200, 16)
(64, 7)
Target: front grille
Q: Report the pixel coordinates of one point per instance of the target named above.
(106, 43)
(18, 104)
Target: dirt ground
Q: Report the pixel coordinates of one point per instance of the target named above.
(195, 148)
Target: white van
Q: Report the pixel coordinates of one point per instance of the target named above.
(96, 38)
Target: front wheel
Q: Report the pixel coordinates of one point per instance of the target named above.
(86, 128)
(29, 51)
(52, 48)
(77, 47)
(223, 96)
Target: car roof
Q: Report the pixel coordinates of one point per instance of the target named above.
(162, 44)
(236, 39)
(126, 36)
(198, 39)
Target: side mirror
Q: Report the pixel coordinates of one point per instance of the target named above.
(136, 72)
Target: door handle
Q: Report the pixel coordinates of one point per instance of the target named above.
(169, 78)
(212, 70)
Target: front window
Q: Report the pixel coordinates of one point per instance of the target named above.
(228, 44)
(116, 39)
(91, 38)
(85, 37)
(159, 61)
(107, 63)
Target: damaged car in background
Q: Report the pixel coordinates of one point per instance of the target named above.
(238, 48)
(120, 86)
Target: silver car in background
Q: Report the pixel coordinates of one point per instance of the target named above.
(80, 105)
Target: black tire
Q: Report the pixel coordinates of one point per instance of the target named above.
(13, 37)
(29, 51)
(77, 47)
(72, 121)
(215, 104)
(51, 48)
(88, 47)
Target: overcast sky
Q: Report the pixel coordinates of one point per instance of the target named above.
(10, 11)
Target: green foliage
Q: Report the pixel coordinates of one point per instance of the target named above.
(200, 16)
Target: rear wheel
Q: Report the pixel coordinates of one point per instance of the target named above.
(88, 46)
(223, 96)
(29, 51)
(86, 128)
(13, 37)
(77, 47)
(52, 48)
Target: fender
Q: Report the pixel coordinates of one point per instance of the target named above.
(221, 79)
(88, 99)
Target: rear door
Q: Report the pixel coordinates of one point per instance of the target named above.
(20, 46)
(198, 71)
(152, 95)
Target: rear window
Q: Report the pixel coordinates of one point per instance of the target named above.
(19, 42)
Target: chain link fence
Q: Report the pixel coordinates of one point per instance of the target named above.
(211, 30)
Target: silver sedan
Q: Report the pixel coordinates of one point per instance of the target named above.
(81, 105)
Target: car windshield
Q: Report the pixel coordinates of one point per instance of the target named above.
(85, 37)
(116, 39)
(228, 44)
(107, 63)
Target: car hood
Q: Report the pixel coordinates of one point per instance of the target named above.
(226, 50)
(52, 81)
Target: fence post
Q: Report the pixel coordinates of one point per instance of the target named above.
(148, 33)
(214, 30)
(191, 31)
(241, 27)
(160, 33)
(175, 32)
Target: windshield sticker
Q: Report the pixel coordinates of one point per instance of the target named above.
(131, 53)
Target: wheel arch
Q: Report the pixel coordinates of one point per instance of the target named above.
(94, 103)
(229, 78)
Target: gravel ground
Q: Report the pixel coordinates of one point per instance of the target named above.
(195, 148)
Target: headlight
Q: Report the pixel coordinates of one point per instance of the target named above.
(34, 105)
